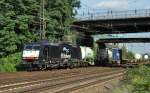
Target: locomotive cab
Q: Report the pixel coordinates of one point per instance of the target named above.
(34, 54)
(31, 52)
(31, 55)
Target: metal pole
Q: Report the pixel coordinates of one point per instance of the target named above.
(40, 20)
(85, 54)
(43, 4)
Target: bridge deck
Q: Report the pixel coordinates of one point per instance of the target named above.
(116, 22)
(108, 15)
(124, 40)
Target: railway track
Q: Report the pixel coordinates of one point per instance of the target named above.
(21, 77)
(61, 84)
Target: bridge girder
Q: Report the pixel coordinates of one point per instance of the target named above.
(113, 26)
(124, 40)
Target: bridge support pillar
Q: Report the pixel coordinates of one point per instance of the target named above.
(102, 55)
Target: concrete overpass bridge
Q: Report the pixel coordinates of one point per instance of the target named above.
(114, 22)
(102, 39)
(124, 40)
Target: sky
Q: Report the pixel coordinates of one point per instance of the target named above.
(119, 5)
(116, 4)
(103, 5)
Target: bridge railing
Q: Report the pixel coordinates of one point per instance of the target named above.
(115, 15)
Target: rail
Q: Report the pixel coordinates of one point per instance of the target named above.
(61, 83)
(141, 13)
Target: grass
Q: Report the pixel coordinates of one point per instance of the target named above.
(10, 63)
(136, 80)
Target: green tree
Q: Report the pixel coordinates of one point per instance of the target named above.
(127, 54)
(139, 79)
(19, 21)
(60, 14)
(16, 20)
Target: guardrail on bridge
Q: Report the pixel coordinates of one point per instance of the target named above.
(114, 15)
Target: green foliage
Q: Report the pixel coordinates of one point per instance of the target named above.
(130, 55)
(127, 54)
(10, 63)
(136, 80)
(95, 47)
(19, 21)
(70, 38)
(139, 79)
(122, 89)
(60, 15)
(15, 19)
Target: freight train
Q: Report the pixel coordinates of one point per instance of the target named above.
(108, 56)
(44, 55)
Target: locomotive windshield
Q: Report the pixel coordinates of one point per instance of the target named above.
(36, 47)
(29, 47)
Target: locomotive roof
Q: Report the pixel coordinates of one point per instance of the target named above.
(39, 43)
(46, 42)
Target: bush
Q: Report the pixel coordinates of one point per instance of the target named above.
(137, 80)
(10, 63)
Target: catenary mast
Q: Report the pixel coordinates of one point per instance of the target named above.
(42, 20)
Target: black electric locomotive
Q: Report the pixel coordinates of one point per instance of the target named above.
(45, 55)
